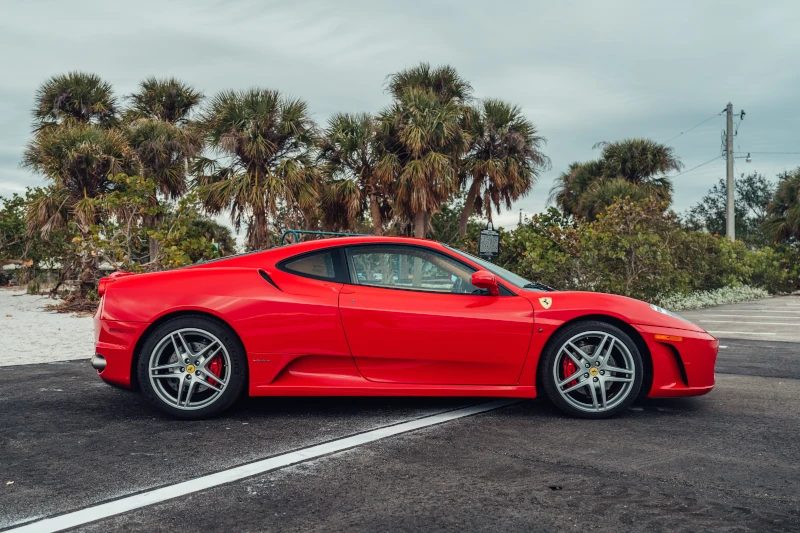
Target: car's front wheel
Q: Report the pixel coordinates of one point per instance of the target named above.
(592, 370)
(192, 367)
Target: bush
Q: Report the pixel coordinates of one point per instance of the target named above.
(637, 250)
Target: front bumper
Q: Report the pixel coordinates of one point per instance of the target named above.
(683, 361)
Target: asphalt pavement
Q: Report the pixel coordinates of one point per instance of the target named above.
(722, 462)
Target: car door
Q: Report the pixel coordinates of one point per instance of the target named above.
(411, 315)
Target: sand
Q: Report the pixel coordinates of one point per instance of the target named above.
(30, 335)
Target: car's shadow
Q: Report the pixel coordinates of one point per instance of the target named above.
(414, 407)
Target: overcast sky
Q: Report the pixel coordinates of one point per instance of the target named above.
(583, 72)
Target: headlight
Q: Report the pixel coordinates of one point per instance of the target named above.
(661, 310)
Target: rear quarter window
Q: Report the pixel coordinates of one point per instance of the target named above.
(326, 265)
(319, 265)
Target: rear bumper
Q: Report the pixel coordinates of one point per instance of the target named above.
(115, 342)
(683, 361)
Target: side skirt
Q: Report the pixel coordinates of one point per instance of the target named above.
(392, 389)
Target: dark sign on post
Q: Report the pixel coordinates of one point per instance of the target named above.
(489, 242)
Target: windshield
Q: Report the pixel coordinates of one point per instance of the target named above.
(517, 281)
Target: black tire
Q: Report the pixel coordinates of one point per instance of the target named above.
(627, 391)
(236, 376)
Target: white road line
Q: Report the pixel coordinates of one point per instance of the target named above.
(756, 323)
(738, 333)
(751, 316)
(143, 499)
(700, 311)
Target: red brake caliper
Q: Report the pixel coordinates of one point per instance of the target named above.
(568, 367)
(215, 367)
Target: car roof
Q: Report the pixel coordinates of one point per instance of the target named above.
(329, 242)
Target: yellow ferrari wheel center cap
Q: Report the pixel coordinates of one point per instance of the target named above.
(190, 369)
(593, 371)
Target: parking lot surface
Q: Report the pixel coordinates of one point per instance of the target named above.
(725, 461)
(773, 319)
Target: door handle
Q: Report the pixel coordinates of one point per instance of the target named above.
(347, 290)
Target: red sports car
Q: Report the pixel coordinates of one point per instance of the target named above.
(385, 316)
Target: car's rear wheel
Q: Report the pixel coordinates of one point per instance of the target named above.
(592, 370)
(192, 367)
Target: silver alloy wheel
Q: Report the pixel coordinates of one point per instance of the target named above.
(183, 371)
(594, 371)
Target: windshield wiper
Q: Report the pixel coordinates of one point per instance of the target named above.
(538, 287)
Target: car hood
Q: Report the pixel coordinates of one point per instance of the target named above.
(566, 305)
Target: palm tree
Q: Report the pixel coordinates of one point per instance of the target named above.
(167, 100)
(349, 154)
(572, 183)
(76, 97)
(341, 204)
(783, 213)
(443, 82)
(78, 161)
(160, 131)
(504, 159)
(585, 189)
(422, 140)
(264, 139)
(642, 162)
(602, 193)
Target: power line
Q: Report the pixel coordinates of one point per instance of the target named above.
(696, 125)
(786, 153)
(695, 168)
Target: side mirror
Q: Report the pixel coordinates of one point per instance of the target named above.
(483, 279)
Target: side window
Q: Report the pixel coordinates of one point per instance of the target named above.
(318, 265)
(407, 267)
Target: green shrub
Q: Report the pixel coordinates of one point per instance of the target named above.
(637, 250)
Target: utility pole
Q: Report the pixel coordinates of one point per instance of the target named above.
(730, 226)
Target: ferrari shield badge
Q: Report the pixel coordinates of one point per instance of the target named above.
(546, 302)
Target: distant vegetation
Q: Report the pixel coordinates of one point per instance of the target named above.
(132, 183)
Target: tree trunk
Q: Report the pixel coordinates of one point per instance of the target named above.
(469, 204)
(153, 249)
(416, 262)
(419, 224)
(88, 279)
(375, 212)
(258, 233)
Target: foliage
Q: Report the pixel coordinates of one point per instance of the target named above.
(182, 234)
(78, 161)
(129, 184)
(348, 153)
(166, 100)
(76, 97)
(634, 168)
(18, 245)
(264, 140)
(754, 192)
(445, 224)
(14, 244)
(503, 159)
(637, 249)
(422, 138)
(783, 219)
